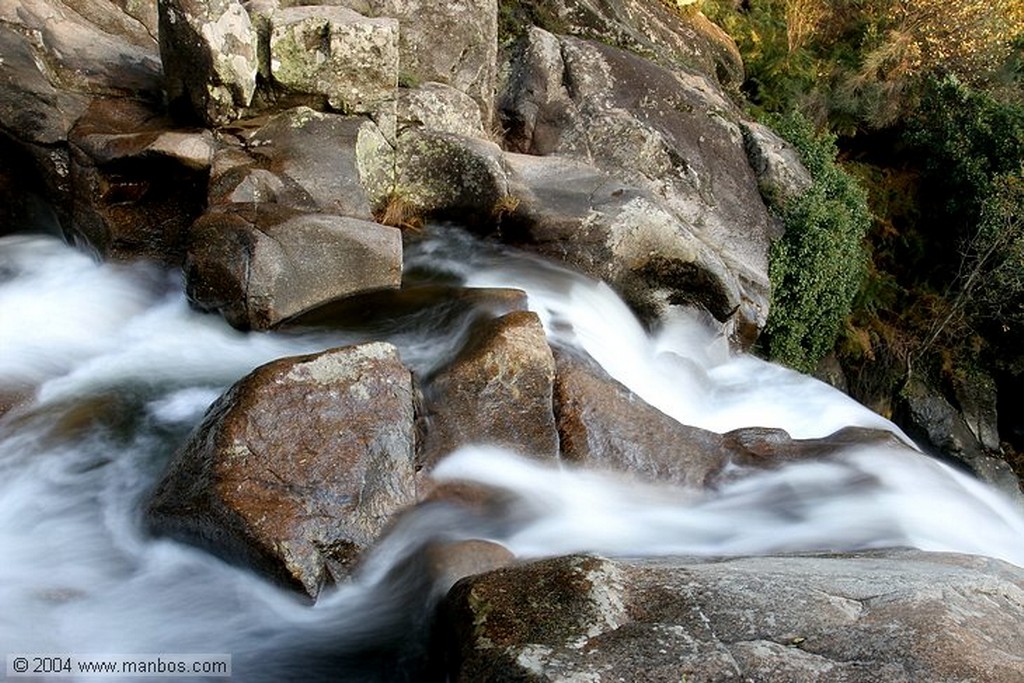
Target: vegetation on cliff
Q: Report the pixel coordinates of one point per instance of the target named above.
(925, 101)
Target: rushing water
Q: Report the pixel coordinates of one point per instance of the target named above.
(121, 369)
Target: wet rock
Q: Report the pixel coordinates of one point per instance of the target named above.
(348, 59)
(444, 308)
(209, 53)
(259, 265)
(54, 59)
(603, 425)
(138, 180)
(300, 158)
(935, 425)
(497, 391)
(889, 615)
(298, 467)
(449, 562)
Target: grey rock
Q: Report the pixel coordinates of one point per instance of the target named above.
(349, 59)
(672, 135)
(439, 107)
(781, 175)
(300, 158)
(451, 43)
(209, 51)
(874, 616)
(259, 265)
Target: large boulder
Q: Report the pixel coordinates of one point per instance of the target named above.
(452, 43)
(618, 233)
(497, 391)
(138, 181)
(334, 53)
(874, 616)
(260, 264)
(672, 135)
(298, 467)
(300, 158)
(603, 425)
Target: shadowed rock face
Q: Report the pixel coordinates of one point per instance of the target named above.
(298, 467)
(892, 615)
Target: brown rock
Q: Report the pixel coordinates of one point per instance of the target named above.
(138, 181)
(603, 425)
(497, 391)
(298, 467)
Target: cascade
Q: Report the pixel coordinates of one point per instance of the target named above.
(120, 369)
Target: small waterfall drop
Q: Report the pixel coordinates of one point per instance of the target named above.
(121, 369)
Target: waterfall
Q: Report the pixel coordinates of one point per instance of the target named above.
(120, 369)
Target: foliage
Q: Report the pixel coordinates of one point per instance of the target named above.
(817, 267)
(859, 64)
(966, 140)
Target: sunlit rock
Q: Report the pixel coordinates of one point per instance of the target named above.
(439, 107)
(209, 54)
(498, 390)
(298, 467)
(671, 33)
(349, 59)
(781, 175)
(451, 43)
(673, 136)
(260, 264)
(888, 615)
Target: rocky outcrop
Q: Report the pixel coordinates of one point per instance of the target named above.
(497, 391)
(671, 136)
(893, 615)
(138, 182)
(298, 467)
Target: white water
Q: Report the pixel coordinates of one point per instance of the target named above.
(77, 574)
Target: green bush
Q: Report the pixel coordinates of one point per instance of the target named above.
(818, 265)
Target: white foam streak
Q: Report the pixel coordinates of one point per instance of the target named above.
(865, 498)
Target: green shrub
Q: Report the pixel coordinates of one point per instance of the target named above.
(818, 265)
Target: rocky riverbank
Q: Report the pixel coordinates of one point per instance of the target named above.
(285, 156)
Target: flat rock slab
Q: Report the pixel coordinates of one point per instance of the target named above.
(877, 616)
